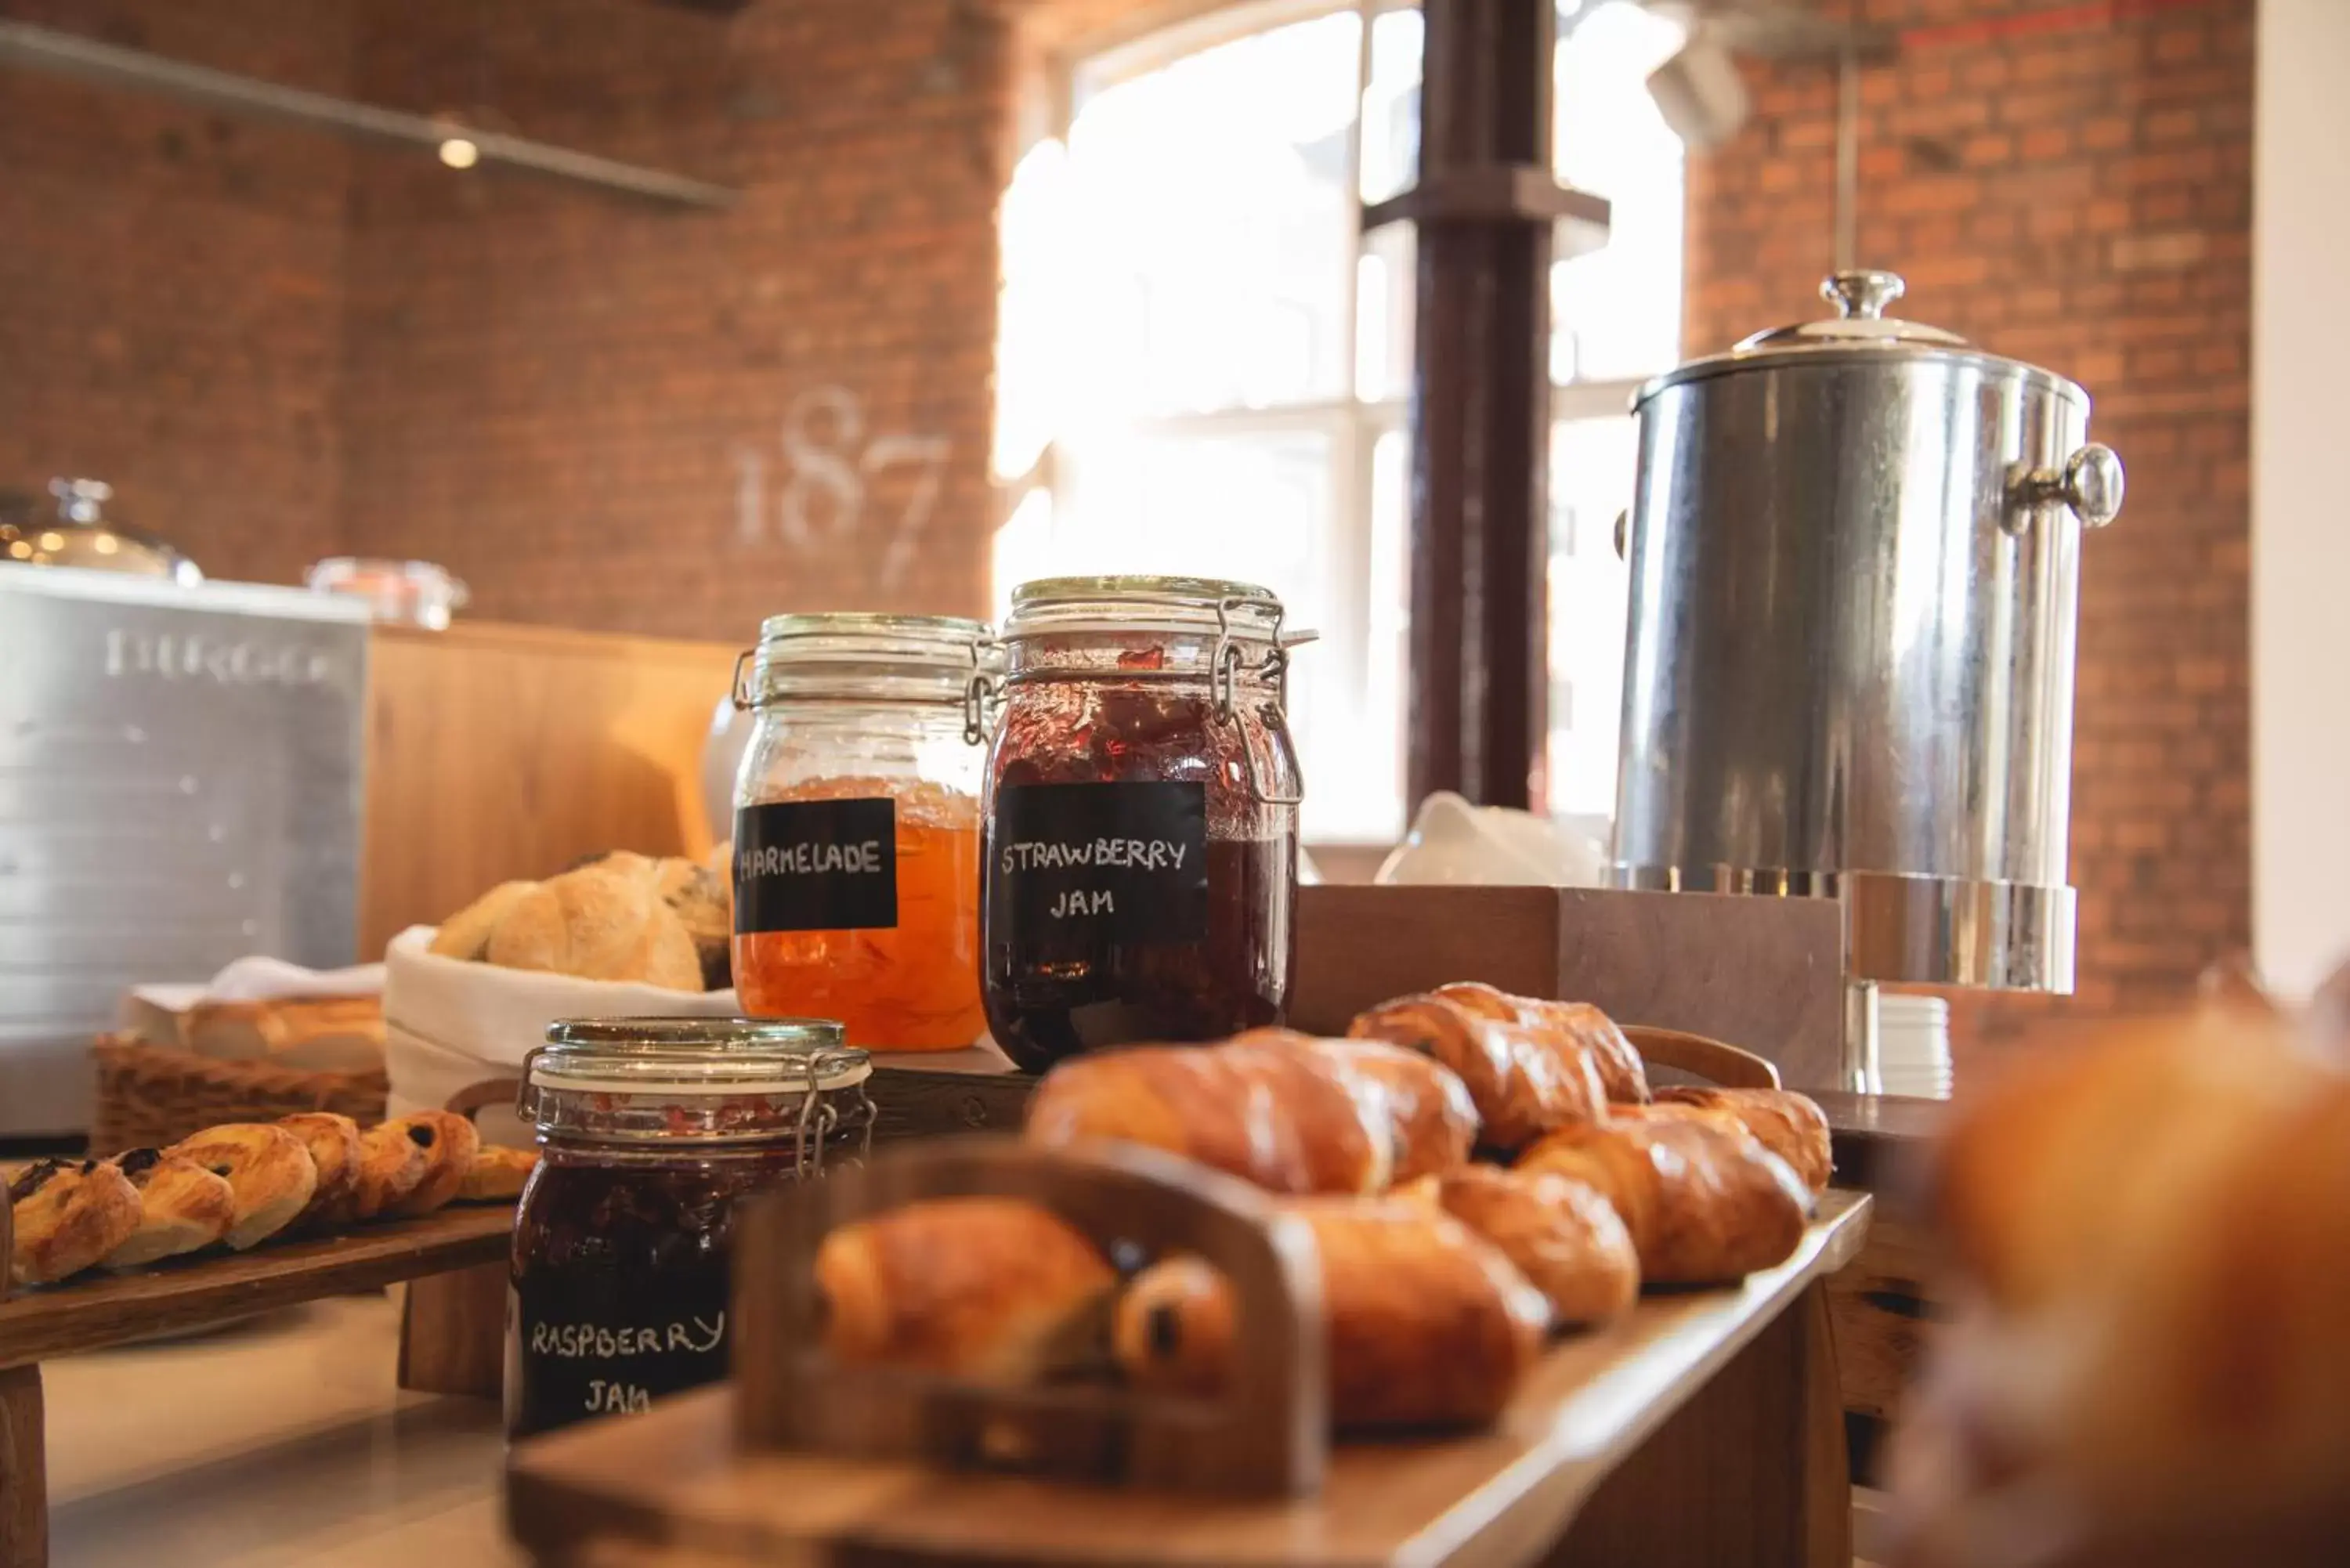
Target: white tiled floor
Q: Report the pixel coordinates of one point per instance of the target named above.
(279, 1443)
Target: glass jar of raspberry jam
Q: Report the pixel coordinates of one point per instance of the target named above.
(857, 825)
(652, 1129)
(1140, 866)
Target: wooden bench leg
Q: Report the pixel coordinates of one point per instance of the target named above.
(24, 1471)
(452, 1333)
(1751, 1473)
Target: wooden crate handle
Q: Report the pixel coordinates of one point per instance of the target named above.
(1268, 1436)
(1709, 1059)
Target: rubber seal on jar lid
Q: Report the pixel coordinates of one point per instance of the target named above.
(1121, 603)
(696, 1056)
(855, 637)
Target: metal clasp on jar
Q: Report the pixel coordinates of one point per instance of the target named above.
(980, 694)
(1227, 663)
(819, 1120)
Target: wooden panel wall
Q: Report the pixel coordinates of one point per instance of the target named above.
(499, 751)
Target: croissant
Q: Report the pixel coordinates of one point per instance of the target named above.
(1523, 1081)
(1432, 1120)
(1425, 1325)
(2155, 1230)
(1620, 1072)
(1787, 1124)
(986, 1288)
(1705, 1204)
(1289, 1120)
(1560, 1233)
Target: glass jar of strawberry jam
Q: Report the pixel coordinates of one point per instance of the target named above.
(1140, 874)
(652, 1129)
(857, 825)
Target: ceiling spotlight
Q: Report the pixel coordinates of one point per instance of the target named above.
(459, 153)
(1700, 94)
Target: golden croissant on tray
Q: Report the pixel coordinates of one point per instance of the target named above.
(1441, 1272)
(2149, 1367)
(241, 1183)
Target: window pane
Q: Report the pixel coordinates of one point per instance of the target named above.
(1616, 313)
(1256, 506)
(1218, 225)
(1591, 463)
(1384, 284)
(1391, 106)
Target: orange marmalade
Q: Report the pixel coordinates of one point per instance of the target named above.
(877, 879)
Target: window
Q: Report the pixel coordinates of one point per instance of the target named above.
(1204, 361)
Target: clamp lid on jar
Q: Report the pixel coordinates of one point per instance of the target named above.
(685, 1080)
(1249, 642)
(859, 658)
(1130, 603)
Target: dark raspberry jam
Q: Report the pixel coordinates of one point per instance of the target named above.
(620, 1281)
(1156, 900)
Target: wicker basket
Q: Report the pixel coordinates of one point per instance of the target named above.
(148, 1095)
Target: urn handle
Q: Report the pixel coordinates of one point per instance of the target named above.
(2090, 483)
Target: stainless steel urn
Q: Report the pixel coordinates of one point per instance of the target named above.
(1854, 549)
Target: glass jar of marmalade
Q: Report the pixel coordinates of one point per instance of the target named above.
(652, 1129)
(857, 825)
(1141, 858)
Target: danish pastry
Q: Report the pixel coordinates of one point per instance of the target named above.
(1789, 1125)
(334, 1144)
(450, 1144)
(1560, 1233)
(1705, 1202)
(183, 1206)
(67, 1215)
(391, 1167)
(1425, 1323)
(498, 1173)
(270, 1174)
(987, 1288)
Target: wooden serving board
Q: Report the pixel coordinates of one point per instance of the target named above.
(1702, 1406)
(94, 1312)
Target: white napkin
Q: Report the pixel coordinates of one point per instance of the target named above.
(265, 980)
(448, 1024)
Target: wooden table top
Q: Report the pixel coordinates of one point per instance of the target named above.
(1487, 1499)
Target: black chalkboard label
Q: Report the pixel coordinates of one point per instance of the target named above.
(568, 1360)
(1126, 861)
(816, 865)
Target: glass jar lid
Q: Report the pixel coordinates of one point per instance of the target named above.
(686, 1079)
(855, 637)
(1126, 603)
(853, 656)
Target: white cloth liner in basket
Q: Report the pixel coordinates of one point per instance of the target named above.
(448, 1024)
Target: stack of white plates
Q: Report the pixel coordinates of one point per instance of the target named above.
(1913, 1045)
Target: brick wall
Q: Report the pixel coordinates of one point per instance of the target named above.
(587, 409)
(2069, 184)
(171, 283)
(278, 346)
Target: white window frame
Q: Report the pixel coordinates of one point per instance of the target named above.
(1352, 425)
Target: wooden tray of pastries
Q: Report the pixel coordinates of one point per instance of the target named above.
(1261, 1302)
(242, 1217)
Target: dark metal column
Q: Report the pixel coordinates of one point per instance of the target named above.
(1486, 204)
